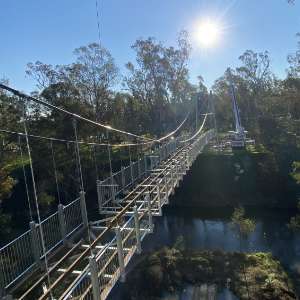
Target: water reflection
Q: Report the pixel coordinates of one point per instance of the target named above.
(206, 231)
(189, 294)
(198, 232)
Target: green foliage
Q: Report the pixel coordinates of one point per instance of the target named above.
(5, 224)
(170, 270)
(296, 171)
(245, 225)
(6, 183)
(157, 94)
(294, 223)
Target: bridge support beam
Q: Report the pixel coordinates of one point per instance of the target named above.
(137, 231)
(94, 277)
(120, 254)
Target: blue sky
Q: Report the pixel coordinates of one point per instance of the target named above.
(49, 31)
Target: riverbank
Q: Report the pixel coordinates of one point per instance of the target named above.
(250, 276)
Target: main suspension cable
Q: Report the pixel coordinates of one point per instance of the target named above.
(198, 132)
(76, 116)
(73, 115)
(174, 131)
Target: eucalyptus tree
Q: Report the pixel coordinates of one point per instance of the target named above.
(160, 79)
(255, 87)
(294, 61)
(10, 113)
(89, 79)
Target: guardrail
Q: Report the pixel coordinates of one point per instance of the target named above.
(110, 190)
(108, 265)
(23, 254)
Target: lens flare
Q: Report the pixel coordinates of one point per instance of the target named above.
(208, 33)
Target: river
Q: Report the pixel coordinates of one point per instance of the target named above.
(200, 228)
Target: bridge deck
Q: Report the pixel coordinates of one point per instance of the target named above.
(92, 256)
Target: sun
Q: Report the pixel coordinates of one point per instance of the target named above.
(208, 33)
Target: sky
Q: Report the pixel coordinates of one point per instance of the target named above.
(50, 30)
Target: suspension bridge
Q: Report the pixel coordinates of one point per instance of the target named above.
(68, 256)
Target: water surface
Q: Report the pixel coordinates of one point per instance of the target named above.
(211, 229)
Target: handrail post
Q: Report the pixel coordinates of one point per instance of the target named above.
(123, 177)
(62, 223)
(131, 172)
(146, 166)
(139, 168)
(137, 231)
(151, 162)
(148, 199)
(112, 189)
(99, 196)
(166, 187)
(177, 173)
(83, 209)
(160, 155)
(35, 243)
(120, 254)
(172, 179)
(186, 160)
(94, 277)
(159, 200)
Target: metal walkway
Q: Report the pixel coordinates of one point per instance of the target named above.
(86, 259)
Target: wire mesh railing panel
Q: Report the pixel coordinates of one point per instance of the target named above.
(141, 167)
(81, 288)
(109, 192)
(51, 232)
(108, 267)
(16, 258)
(155, 201)
(20, 255)
(128, 235)
(128, 178)
(144, 219)
(117, 179)
(135, 171)
(73, 218)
